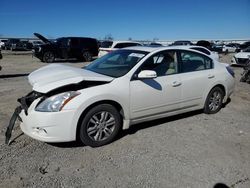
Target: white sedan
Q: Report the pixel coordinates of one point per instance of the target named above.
(109, 46)
(229, 48)
(211, 54)
(122, 88)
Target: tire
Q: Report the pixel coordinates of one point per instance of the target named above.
(100, 125)
(214, 101)
(244, 76)
(49, 57)
(87, 56)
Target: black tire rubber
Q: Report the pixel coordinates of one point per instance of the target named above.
(206, 109)
(51, 59)
(87, 56)
(83, 135)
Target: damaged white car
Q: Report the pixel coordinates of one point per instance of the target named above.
(120, 89)
(241, 58)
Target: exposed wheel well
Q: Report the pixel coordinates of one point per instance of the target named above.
(222, 87)
(113, 103)
(218, 85)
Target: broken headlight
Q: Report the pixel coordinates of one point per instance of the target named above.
(55, 103)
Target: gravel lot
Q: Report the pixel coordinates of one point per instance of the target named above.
(190, 150)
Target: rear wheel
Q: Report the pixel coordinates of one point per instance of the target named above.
(214, 101)
(48, 57)
(100, 125)
(87, 56)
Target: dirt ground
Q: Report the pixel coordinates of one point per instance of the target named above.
(190, 150)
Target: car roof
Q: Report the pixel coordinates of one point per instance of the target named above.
(156, 48)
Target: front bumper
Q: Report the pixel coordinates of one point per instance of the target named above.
(44, 126)
(49, 126)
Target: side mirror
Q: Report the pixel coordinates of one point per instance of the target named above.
(146, 74)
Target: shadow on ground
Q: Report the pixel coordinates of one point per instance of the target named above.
(133, 129)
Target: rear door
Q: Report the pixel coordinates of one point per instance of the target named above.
(197, 74)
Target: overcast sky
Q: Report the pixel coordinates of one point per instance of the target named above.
(123, 19)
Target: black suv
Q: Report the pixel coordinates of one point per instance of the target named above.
(66, 47)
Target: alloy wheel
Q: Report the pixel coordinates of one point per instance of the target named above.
(215, 101)
(100, 126)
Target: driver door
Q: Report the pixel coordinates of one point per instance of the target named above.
(64, 48)
(160, 95)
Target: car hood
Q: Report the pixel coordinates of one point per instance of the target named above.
(244, 55)
(54, 76)
(45, 40)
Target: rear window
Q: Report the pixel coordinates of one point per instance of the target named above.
(127, 44)
(194, 62)
(106, 44)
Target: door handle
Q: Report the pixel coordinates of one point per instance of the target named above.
(176, 84)
(210, 76)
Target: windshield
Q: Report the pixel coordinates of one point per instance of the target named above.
(117, 63)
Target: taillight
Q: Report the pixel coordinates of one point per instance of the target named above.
(230, 71)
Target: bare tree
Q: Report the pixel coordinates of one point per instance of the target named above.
(108, 37)
(155, 39)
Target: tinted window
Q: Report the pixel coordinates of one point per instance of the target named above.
(63, 42)
(74, 42)
(163, 63)
(202, 50)
(124, 45)
(247, 49)
(194, 62)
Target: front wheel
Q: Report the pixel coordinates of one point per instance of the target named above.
(48, 57)
(100, 125)
(214, 101)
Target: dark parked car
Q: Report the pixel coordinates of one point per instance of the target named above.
(8, 45)
(182, 42)
(204, 43)
(66, 47)
(217, 48)
(17, 44)
(245, 45)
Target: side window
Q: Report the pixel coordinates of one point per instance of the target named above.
(119, 45)
(163, 63)
(194, 62)
(74, 42)
(63, 42)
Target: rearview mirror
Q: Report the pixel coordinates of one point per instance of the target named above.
(146, 74)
